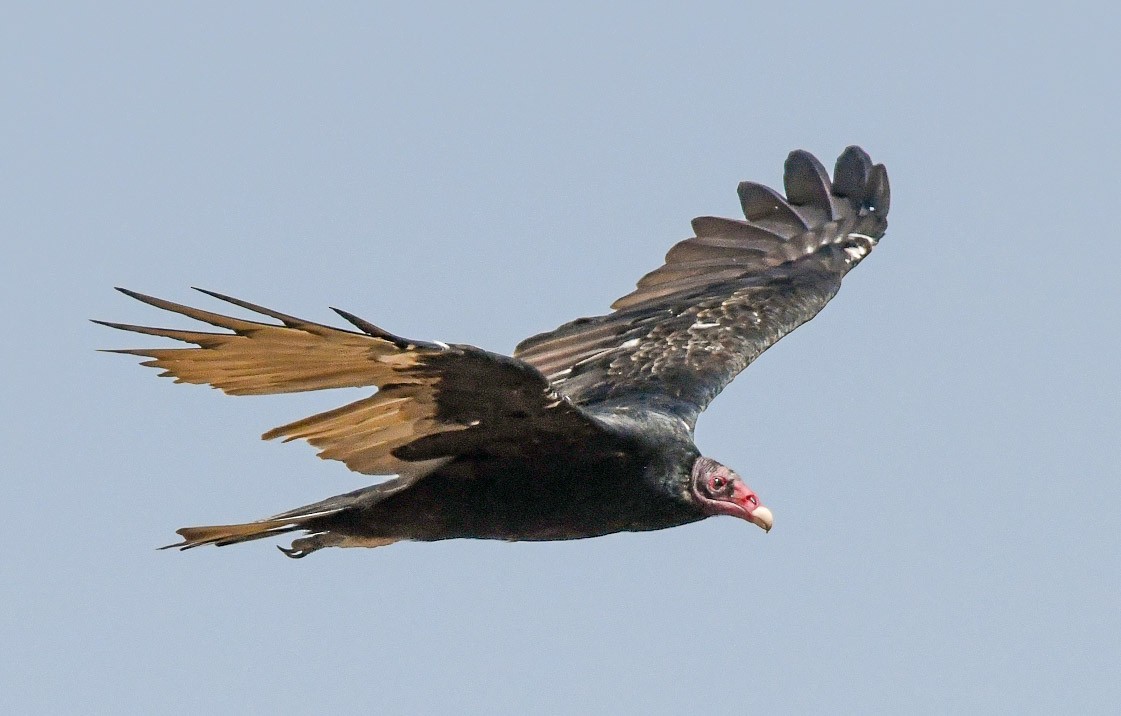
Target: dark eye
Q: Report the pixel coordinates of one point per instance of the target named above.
(718, 483)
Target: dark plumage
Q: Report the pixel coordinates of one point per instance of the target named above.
(588, 429)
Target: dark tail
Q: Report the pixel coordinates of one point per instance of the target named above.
(315, 519)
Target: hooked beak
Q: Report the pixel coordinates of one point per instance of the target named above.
(762, 517)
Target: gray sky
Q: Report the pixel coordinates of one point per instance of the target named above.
(940, 447)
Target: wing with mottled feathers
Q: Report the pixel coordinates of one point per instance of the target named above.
(725, 295)
(434, 401)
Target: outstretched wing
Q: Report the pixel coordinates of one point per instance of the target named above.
(725, 295)
(434, 401)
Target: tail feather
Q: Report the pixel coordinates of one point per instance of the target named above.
(314, 519)
(222, 535)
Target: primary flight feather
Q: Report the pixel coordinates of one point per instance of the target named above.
(588, 429)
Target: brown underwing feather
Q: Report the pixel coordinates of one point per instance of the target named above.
(425, 389)
(764, 205)
(809, 188)
(725, 295)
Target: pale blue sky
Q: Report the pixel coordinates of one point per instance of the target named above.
(940, 447)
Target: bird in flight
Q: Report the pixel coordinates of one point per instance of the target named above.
(586, 430)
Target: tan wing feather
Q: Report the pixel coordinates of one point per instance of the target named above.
(364, 434)
(264, 358)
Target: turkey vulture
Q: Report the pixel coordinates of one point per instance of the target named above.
(588, 429)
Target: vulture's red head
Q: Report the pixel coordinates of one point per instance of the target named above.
(720, 491)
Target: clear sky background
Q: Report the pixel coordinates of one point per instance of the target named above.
(940, 447)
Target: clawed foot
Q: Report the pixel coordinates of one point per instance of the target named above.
(306, 545)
